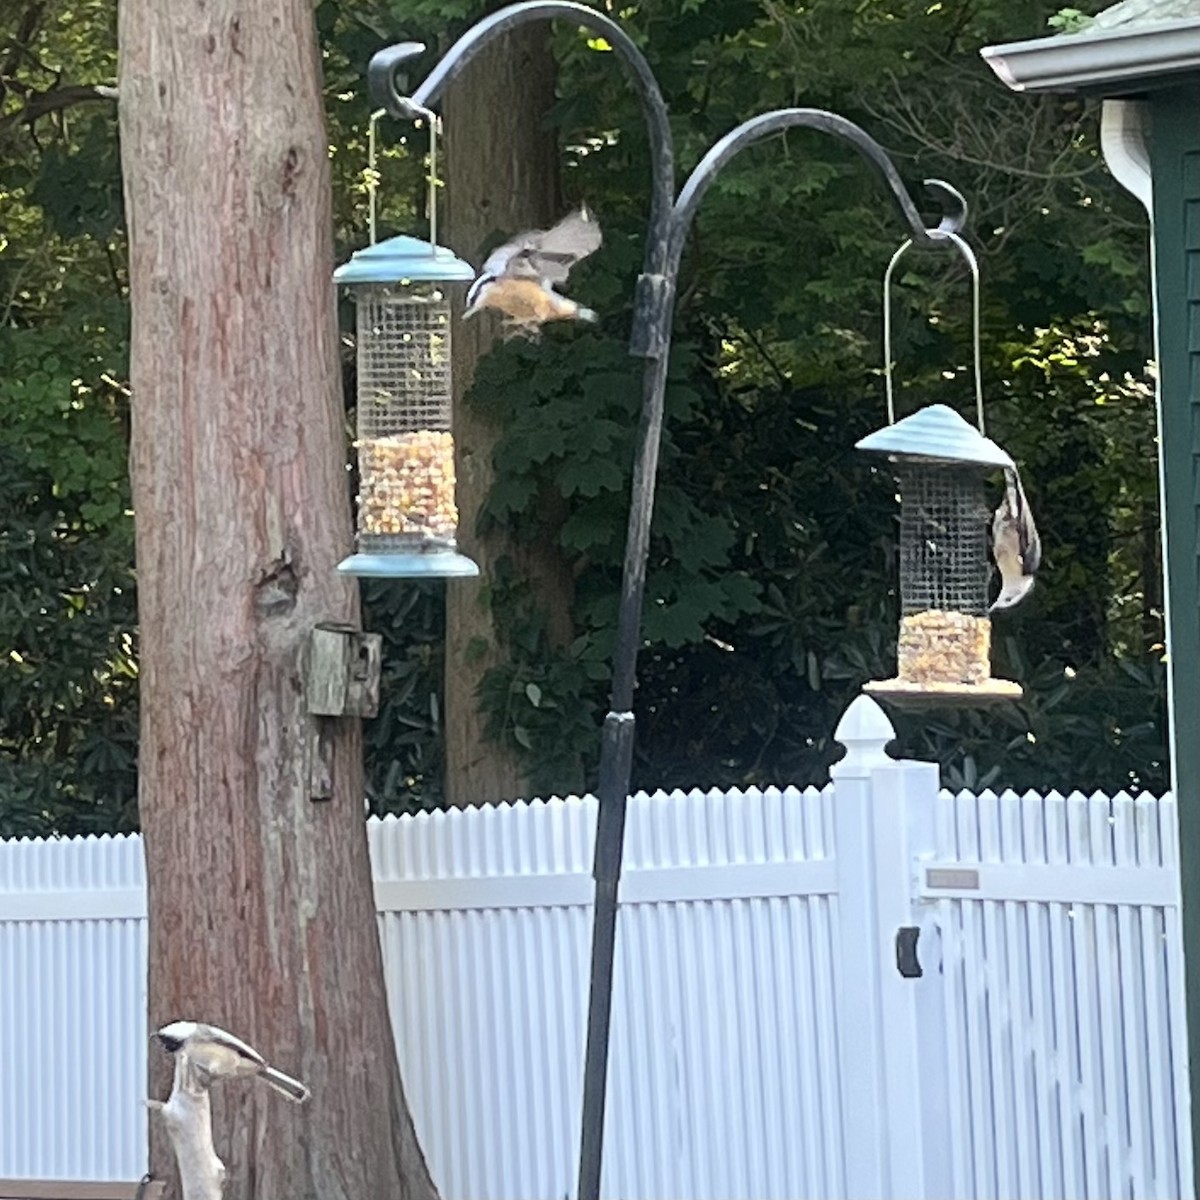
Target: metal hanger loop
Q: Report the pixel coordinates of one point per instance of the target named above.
(434, 122)
(969, 255)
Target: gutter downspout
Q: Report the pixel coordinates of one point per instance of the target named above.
(1124, 138)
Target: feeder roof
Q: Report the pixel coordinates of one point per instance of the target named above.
(401, 259)
(938, 434)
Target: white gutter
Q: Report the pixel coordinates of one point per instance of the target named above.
(1071, 62)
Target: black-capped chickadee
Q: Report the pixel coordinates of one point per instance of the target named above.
(518, 278)
(1016, 546)
(219, 1055)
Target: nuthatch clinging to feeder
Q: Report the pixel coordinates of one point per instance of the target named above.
(518, 278)
(217, 1054)
(1016, 546)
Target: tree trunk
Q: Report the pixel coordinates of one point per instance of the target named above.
(501, 178)
(261, 908)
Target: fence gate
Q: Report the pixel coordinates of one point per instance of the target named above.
(871, 991)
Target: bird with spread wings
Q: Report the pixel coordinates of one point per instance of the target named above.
(519, 278)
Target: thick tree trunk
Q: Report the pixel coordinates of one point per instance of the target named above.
(501, 177)
(261, 910)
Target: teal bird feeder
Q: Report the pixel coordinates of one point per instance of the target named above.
(407, 522)
(941, 464)
(944, 653)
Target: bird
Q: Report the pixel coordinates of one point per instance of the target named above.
(1016, 546)
(518, 278)
(216, 1054)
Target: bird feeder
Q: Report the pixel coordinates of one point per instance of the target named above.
(407, 516)
(941, 465)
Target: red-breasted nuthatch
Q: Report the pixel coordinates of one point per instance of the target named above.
(1016, 546)
(518, 278)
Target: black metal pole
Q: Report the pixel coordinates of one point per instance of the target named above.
(654, 306)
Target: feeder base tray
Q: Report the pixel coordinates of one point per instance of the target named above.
(410, 564)
(905, 694)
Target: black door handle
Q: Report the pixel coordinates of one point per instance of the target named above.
(907, 962)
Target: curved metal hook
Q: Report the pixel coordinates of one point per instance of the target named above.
(973, 265)
(385, 93)
(754, 130)
(953, 205)
(382, 76)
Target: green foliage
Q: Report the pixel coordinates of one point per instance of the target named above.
(770, 596)
(67, 608)
(1069, 20)
(68, 673)
(404, 742)
(752, 650)
(569, 411)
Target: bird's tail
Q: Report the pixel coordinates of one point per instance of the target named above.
(285, 1085)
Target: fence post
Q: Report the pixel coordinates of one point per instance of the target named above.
(883, 818)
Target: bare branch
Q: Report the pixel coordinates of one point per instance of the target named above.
(41, 104)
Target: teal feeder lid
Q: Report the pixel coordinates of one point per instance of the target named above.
(404, 259)
(413, 564)
(936, 434)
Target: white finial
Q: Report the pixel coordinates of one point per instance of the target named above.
(865, 731)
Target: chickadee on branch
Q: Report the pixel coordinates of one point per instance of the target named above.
(1016, 545)
(518, 278)
(215, 1054)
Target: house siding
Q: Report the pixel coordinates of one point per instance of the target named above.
(1175, 154)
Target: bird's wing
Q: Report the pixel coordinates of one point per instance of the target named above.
(221, 1037)
(497, 263)
(547, 255)
(1022, 518)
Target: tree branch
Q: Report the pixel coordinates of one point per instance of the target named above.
(30, 20)
(41, 104)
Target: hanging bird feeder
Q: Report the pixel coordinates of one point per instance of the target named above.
(942, 465)
(407, 516)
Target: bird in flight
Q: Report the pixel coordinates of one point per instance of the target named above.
(216, 1054)
(518, 279)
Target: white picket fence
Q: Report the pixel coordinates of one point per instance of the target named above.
(764, 1042)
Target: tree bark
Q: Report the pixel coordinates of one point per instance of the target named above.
(502, 177)
(261, 908)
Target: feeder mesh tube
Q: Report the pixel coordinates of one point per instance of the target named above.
(945, 633)
(405, 447)
(944, 561)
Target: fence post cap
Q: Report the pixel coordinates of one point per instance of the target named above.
(865, 731)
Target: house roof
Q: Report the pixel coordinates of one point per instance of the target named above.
(1143, 12)
(1119, 51)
